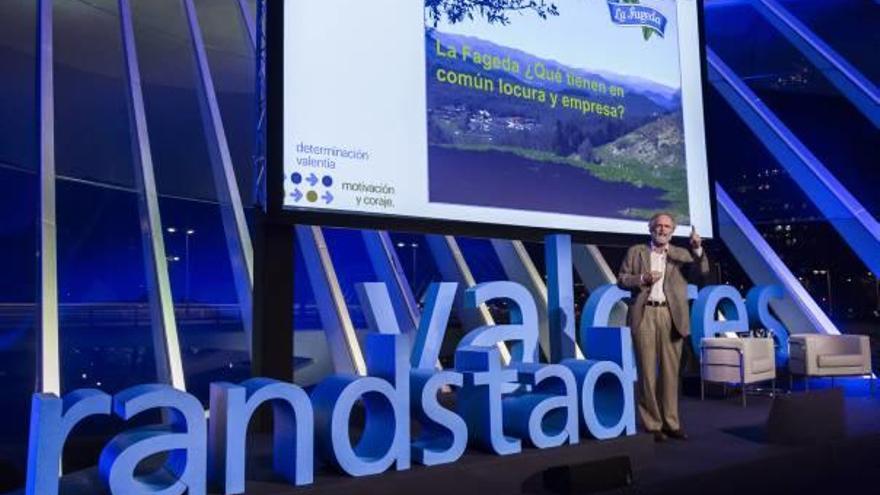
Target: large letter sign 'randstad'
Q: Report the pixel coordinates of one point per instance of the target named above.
(313, 426)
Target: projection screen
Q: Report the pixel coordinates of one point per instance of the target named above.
(580, 115)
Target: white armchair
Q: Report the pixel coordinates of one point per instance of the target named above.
(732, 360)
(829, 356)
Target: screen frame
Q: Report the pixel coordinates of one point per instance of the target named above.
(274, 200)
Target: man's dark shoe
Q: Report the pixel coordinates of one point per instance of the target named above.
(659, 436)
(678, 434)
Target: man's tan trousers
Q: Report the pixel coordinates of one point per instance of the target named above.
(655, 345)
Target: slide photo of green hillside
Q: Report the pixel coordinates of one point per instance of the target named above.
(558, 108)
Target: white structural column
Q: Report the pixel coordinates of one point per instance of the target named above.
(453, 267)
(388, 269)
(856, 225)
(166, 345)
(345, 350)
(238, 240)
(519, 268)
(50, 366)
(798, 311)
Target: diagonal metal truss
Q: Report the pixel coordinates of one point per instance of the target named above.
(797, 311)
(453, 267)
(166, 344)
(863, 94)
(854, 223)
(342, 340)
(238, 240)
(49, 375)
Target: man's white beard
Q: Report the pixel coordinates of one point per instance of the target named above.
(661, 240)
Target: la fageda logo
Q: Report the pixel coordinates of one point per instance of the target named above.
(630, 13)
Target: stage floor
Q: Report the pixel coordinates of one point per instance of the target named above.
(727, 452)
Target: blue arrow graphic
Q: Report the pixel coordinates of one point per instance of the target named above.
(327, 197)
(296, 195)
(313, 179)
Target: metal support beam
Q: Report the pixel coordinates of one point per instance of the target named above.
(49, 357)
(519, 268)
(863, 94)
(797, 311)
(166, 345)
(453, 267)
(339, 330)
(341, 337)
(238, 240)
(248, 20)
(388, 269)
(272, 339)
(260, 96)
(854, 223)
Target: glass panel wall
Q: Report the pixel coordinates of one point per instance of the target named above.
(231, 58)
(18, 125)
(482, 259)
(212, 339)
(311, 360)
(92, 129)
(352, 264)
(106, 338)
(18, 337)
(417, 262)
(18, 234)
(848, 26)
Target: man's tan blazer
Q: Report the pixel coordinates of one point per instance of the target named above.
(638, 262)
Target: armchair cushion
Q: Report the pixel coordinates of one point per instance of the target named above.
(762, 365)
(829, 355)
(838, 361)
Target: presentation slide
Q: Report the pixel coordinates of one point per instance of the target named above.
(582, 115)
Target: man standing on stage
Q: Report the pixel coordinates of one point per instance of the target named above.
(659, 319)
